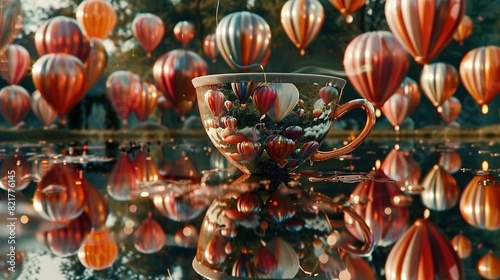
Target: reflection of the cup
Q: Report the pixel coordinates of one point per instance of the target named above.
(377, 202)
(273, 229)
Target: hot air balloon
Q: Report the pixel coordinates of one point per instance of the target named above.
(396, 109)
(479, 70)
(123, 180)
(98, 250)
(61, 80)
(96, 207)
(14, 103)
(302, 21)
(375, 203)
(15, 61)
(62, 35)
(423, 252)
(488, 266)
(146, 101)
(348, 7)
(411, 90)
(264, 98)
(184, 32)
(122, 91)
(439, 81)
(148, 29)
(173, 73)
(441, 190)
(60, 196)
(279, 147)
(42, 109)
(287, 97)
(424, 27)
(479, 202)
(66, 241)
(464, 30)
(96, 63)
(97, 17)
(149, 237)
(450, 110)
(210, 46)
(376, 64)
(400, 166)
(462, 245)
(146, 168)
(11, 21)
(215, 100)
(245, 90)
(243, 39)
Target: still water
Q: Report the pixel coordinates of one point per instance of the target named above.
(126, 209)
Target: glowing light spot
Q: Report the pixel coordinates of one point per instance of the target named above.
(378, 113)
(484, 165)
(427, 213)
(440, 109)
(323, 258)
(484, 109)
(129, 224)
(144, 194)
(387, 211)
(128, 230)
(377, 164)
(132, 208)
(332, 239)
(187, 231)
(24, 219)
(344, 275)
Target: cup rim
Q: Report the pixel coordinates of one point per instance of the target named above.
(271, 77)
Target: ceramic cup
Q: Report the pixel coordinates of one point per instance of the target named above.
(266, 123)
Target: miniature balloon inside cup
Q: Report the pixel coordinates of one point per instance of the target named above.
(277, 230)
(276, 121)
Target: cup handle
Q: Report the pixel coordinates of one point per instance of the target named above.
(340, 112)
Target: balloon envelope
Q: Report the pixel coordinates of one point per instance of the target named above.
(450, 110)
(148, 29)
(210, 46)
(479, 70)
(243, 39)
(61, 80)
(62, 35)
(302, 21)
(96, 63)
(15, 103)
(173, 73)
(97, 17)
(439, 81)
(15, 62)
(122, 90)
(42, 109)
(424, 27)
(184, 32)
(464, 30)
(376, 64)
(146, 101)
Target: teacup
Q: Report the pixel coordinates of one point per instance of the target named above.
(265, 123)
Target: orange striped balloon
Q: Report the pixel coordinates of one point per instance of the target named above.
(302, 21)
(479, 73)
(464, 30)
(97, 17)
(424, 27)
(479, 202)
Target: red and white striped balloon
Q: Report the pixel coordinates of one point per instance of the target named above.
(42, 110)
(14, 64)
(439, 81)
(14, 103)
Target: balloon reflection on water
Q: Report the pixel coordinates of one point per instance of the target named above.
(263, 226)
